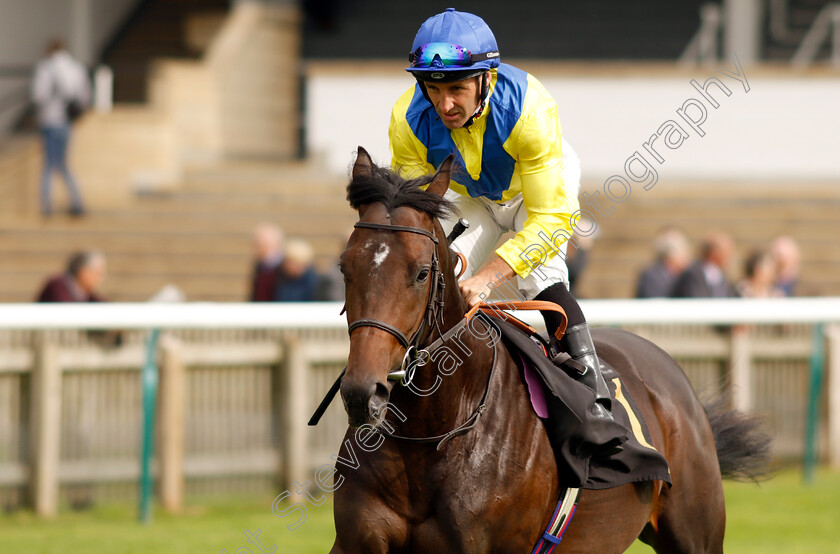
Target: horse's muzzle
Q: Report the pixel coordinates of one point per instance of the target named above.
(365, 402)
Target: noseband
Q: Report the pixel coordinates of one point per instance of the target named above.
(414, 356)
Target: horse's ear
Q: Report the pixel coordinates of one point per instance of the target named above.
(440, 183)
(363, 168)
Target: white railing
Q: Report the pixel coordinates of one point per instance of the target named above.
(826, 27)
(296, 357)
(325, 315)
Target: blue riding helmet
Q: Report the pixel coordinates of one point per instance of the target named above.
(452, 46)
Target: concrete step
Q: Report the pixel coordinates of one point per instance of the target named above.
(147, 244)
(749, 230)
(42, 263)
(131, 287)
(164, 222)
(244, 202)
(288, 182)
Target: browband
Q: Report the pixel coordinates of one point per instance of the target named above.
(384, 227)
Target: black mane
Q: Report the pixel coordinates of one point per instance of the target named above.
(387, 187)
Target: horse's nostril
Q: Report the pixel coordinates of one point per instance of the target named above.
(379, 402)
(362, 400)
(382, 392)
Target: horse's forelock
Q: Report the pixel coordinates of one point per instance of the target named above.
(388, 188)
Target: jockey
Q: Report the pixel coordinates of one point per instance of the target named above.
(515, 172)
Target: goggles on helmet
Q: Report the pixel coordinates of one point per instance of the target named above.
(437, 55)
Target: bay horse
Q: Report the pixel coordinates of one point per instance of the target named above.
(485, 479)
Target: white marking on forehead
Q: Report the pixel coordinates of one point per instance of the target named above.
(381, 254)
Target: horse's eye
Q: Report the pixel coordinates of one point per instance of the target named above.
(423, 275)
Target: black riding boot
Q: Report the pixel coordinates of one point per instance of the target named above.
(578, 342)
(584, 365)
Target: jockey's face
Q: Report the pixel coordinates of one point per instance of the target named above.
(455, 102)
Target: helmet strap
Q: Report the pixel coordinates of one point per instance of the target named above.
(485, 89)
(423, 90)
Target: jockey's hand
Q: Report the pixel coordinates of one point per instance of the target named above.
(473, 288)
(482, 282)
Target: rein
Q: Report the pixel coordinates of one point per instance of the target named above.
(415, 356)
(471, 421)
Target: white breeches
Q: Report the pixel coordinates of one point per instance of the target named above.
(490, 220)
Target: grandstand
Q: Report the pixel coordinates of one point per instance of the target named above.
(197, 236)
(753, 217)
(184, 166)
(175, 191)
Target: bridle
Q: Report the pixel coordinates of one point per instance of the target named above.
(414, 356)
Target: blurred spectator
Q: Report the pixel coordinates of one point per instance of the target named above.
(60, 91)
(268, 251)
(672, 257)
(297, 280)
(80, 282)
(331, 287)
(706, 277)
(786, 255)
(760, 277)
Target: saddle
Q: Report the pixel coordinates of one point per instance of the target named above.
(584, 446)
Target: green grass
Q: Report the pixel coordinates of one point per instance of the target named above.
(209, 528)
(781, 515)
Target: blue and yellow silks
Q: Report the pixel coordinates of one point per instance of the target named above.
(513, 148)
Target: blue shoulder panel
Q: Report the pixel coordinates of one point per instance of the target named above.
(496, 164)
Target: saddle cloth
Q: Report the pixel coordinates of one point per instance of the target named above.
(563, 404)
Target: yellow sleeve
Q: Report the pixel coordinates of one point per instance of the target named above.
(535, 142)
(408, 154)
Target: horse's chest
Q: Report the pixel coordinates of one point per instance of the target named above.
(476, 520)
(472, 505)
